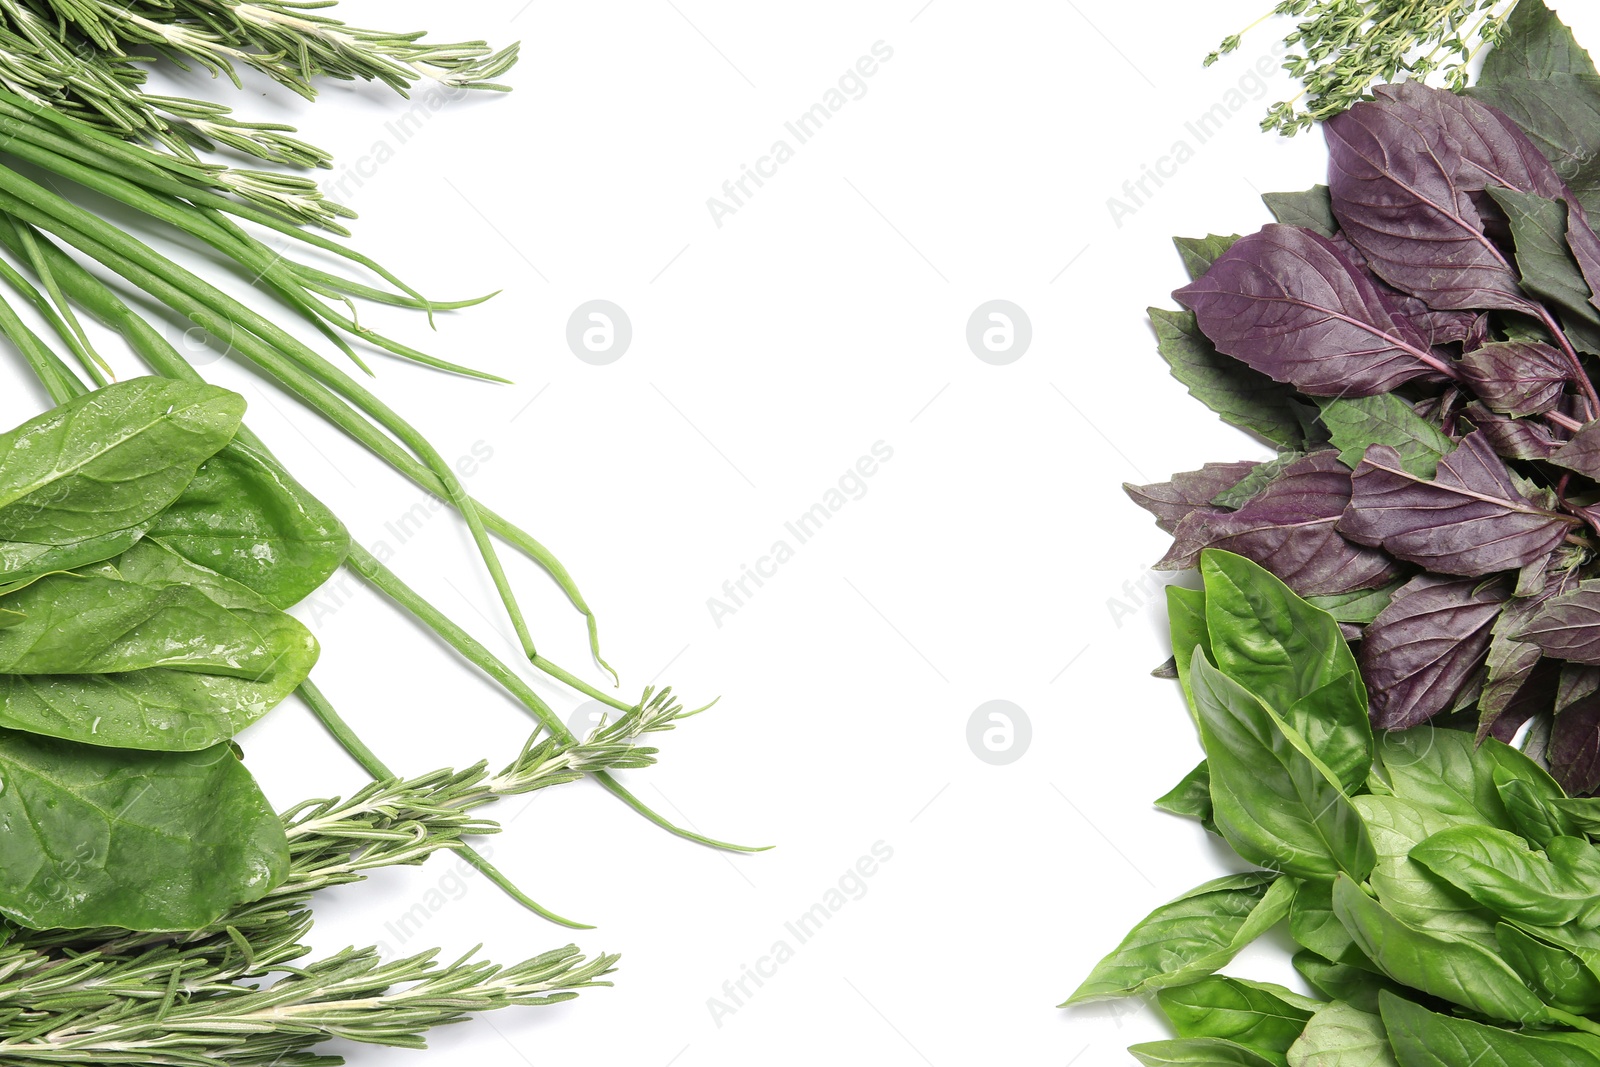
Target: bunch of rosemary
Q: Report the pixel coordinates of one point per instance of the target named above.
(241, 993)
(1342, 47)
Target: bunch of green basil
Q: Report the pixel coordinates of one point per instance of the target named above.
(148, 547)
(1443, 892)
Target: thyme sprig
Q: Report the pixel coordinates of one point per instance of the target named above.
(1343, 47)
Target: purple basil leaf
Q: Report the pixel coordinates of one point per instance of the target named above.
(1567, 626)
(1289, 528)
(1170, 501)
(1574, 753)
(1467, 328)
(1515, 438)
(1535, 696)
(1399, 198)
(1286, 302)
(1472, 519)
(1427, 645)
(1516, 377)
(1492, 148)
(1582, 453)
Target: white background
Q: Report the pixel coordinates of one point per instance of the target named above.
(994, 557)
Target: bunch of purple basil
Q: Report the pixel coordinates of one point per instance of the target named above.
(1416, 339)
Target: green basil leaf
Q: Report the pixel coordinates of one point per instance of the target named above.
(1186, 618)
(1358, 608)
(1291, 656)
(1354, 423)
(1264, 1018)
(1356, 986)
(1272, 800)
(1198, 253)
(95, 837)
(1190, 937)
(1440, 965)
(1340, 1035)
(1197, 1052)
(1310, 210)
(1411, 892)
(1242, 396)
(1314, 927)
(1191, 797)
(1497, 869)
(1545, 262)
(1437, 768)
(84, 478)
(246, 518)
(1532, 809)
(1421, 1038)
(1262, 475)
(1582, 812)
(1559, 976)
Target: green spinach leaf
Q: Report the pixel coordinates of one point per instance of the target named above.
(95, 837)
(244, 517)
(85, 478)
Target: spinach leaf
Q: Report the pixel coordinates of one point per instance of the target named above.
(163, 709)
(1264, 1018)
(97, 623)
(1497, 869)
(245, 517)
(1272, 800)
(1191, 797)
(95, 837)
(85, 477)
(1410, 891)
(1558, 975)
(1356, 423)
(1447, 967)
(1340, 1035)
(1421, 1038)
(1197, 1052)
(1191, 936)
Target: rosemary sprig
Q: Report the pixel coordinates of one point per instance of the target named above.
(195, 999)
(1345, 46)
